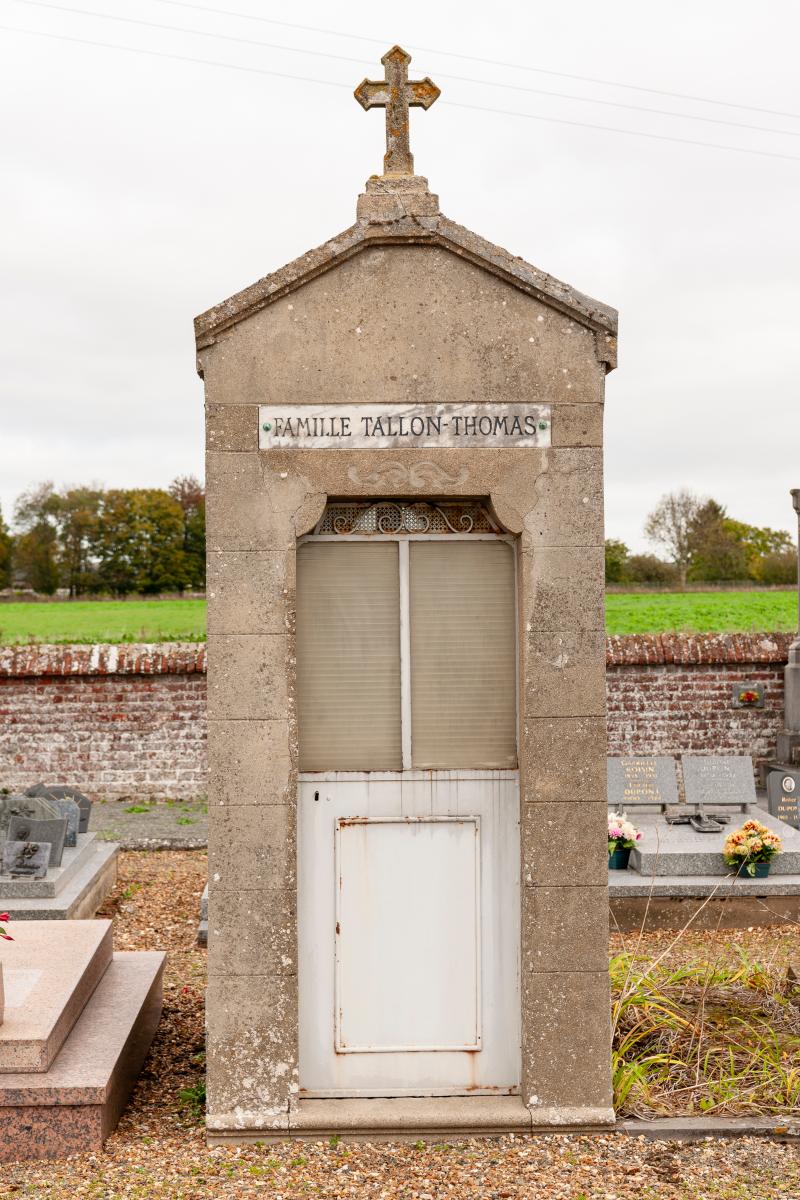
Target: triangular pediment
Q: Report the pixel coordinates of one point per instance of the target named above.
(436, 231)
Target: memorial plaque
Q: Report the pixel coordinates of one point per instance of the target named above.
(62, 791)
(640, 781)
(710, 779)
(53, 832)
(392, 426)
(783, 792)
(72, 814)
(34, 808)
(25, 860)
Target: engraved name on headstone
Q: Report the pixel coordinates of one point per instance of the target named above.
(638, 781)
(53, 832)
(390, 426)
(783, 792)
(710, 779)
(25, 860)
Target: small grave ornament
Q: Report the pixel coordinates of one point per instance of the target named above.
(25, 860)
(52, 832)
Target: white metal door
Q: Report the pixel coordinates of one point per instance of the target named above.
(409, 933)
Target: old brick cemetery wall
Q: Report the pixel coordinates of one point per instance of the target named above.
(130, 720)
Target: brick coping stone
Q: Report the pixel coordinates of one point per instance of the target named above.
(189, 658)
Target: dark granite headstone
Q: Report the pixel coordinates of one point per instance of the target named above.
(783, 792)
(710, 779)
(35, 808)
(24, 860)
(70, 811)
(23, 829)
(64, 791)
(633, 782)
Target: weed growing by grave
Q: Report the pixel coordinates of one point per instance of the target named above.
(704, 1038)
(194, 1098)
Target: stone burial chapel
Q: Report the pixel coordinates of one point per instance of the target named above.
(408, 904)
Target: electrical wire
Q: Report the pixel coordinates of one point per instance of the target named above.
(449, 103)
(488, 62)
(225, 37)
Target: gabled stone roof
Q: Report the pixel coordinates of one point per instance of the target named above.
(409, 215)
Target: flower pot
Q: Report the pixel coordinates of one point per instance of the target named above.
(618, 859)
(760, 870)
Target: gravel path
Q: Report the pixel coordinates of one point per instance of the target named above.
(151, 825)
(159, 1148)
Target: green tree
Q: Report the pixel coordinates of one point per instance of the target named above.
(76, 518)
(647, 568)
(189, 493)
(775, 569)
(767, 550)
(6, 549)
(140, 542)
(616, 560)
(36, 547)
(670, 524)
(716, 552)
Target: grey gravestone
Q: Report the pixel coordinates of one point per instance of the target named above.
(25, 860)
(34, 808)
(638, 781)
(710, 779)
(783, 792)
(63, 791)
(70, 811)
(23, 829)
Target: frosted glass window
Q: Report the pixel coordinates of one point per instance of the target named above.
(463, 654)
(348, 656)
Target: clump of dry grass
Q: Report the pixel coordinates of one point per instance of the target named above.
(716, 1038)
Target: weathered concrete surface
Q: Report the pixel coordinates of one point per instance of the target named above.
(404, 309)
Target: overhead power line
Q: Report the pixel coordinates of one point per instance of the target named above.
(487, 62)
(205, 62)
(225, 37)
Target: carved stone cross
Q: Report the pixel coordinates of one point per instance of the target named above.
(397, 93)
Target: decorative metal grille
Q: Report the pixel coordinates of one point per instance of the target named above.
(399, 517)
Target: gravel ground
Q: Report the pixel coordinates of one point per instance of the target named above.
(159, 1148)
(151, 825)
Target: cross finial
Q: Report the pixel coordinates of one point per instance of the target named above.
(397, 93)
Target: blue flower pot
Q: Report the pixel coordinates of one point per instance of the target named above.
(760, 871)
(618, 860)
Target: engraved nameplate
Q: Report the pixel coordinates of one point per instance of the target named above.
(391, 426)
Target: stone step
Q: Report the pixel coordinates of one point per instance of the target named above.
(49, 973)
(74, 858)
(73, 1107)
(81, 897)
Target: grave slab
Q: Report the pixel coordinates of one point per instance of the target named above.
(710, 778)
(75, 1105)
(679, 850)
(62, 791)
(80, 898)
(74, 859)
(48, 980)
(638, 781)
(35, 808)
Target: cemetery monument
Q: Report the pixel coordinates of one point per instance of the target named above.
(408, 897)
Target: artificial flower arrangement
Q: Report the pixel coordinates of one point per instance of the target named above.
(4, 934)
(751, 847)
(622, 834)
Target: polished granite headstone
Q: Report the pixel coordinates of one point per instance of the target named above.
(63, 791)
(72, 814)
(639, 781)
(783, 793)
(718, 778)
(35, 808)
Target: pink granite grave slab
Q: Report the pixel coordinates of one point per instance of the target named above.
(76, 1104)
(50, 970)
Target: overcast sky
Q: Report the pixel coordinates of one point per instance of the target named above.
(138, 190)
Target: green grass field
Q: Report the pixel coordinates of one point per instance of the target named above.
(185, 620)
(701, 612)
(104, 621)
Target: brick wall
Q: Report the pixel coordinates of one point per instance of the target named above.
(130, 720)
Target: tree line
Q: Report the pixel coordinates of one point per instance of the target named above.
(703, 545)
(118, 541)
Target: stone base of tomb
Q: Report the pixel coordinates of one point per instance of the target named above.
(708, 902)
(79, 1020)
(437, 1118)
(72, 892)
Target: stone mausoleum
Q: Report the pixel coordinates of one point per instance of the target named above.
(408, 908)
